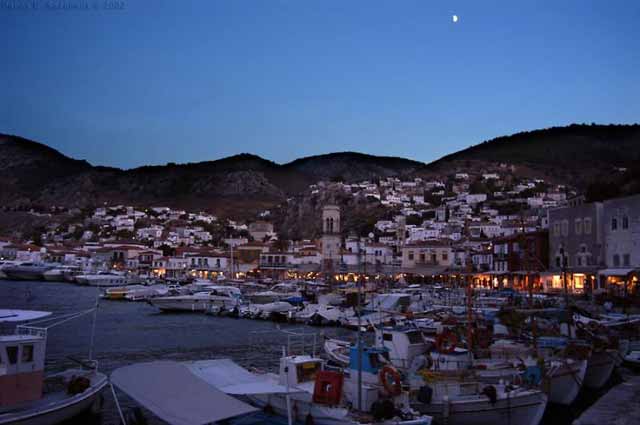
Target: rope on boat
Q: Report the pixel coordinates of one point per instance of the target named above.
(60, 319)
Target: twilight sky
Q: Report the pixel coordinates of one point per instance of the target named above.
(182, 81)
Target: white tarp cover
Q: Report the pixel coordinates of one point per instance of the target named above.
(176, 395)
(227, 376)
(21, 315)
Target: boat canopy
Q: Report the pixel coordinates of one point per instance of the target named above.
(21, 315)
(231, 378)
(176, 395)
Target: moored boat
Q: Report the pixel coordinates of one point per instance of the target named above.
(470, 403)
(102, 279)
(26, 271)
(27, 397)
(225, 296)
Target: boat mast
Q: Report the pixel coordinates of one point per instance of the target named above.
(525, 257)
(231, 256)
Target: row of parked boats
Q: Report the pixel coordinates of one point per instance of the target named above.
(492, 358)
(25, 270)
(432, 353)
(407, 376)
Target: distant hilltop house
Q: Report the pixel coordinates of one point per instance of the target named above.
(259, 230)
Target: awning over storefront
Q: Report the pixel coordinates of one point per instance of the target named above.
(424, 270)
(615, 272)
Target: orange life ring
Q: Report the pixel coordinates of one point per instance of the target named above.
(446, 342)
(393, 388)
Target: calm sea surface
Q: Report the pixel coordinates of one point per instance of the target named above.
(131, 332)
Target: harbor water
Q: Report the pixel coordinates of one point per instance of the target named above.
(132, 332)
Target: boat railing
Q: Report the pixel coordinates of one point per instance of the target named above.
(296, 341)
(31, 331)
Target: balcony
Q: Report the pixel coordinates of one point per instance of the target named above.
(276, 266)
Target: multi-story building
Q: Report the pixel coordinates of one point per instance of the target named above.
(575, 246)
(431, 257)
(621, 223)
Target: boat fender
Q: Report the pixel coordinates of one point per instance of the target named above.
(491, 392)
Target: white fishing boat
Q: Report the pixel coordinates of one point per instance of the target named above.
(304, 391)
(27, 396)
(458, 402)
(564, 374)
(226, 296)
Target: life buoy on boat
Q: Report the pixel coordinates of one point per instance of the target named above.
(446, 342)
(393, 385)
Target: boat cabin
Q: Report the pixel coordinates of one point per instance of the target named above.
(404, 344)
(225, 291)
(298, 370)
(21, 367)
(373, 360)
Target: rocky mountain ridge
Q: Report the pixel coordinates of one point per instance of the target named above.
(33, 173)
